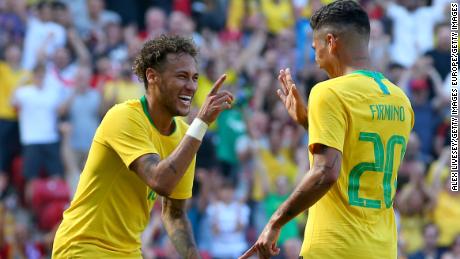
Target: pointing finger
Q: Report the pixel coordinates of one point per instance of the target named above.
(218, 84)
(248, 253)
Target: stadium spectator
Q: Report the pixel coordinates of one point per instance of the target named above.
(95, 19)
(279, 14)
(22, 245)
(37, 106)
(13, 17)
(423, 80)
(82, 108)
(122, 88)
(413, 202)
(61, 14)
(378, 46)
(155, 23)
(228, 219)
(446, 211)
(12, 75)
(411, 16)
(42, 34)
(429, 249)
(440, 54)
(273, 199)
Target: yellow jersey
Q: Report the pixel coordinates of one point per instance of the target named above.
(368, 119)
(10, 80)
(278, 14)
(445, 215)
(112, 204)
(274, 167)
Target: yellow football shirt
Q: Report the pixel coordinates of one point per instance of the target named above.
(8, 84)
(445, 215)
(112, 204)
(278, 14)
(368, 119)
(274, 167)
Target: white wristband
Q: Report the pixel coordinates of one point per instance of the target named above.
(197, 129)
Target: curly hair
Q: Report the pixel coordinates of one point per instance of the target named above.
(153, 53)
(341, 13)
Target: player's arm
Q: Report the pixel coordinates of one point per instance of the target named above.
(163, 175)
(178, 227)
(317, 182)
(314, 185)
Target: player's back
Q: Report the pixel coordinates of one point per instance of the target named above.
(369, 119)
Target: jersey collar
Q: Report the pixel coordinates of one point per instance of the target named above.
(145, 106)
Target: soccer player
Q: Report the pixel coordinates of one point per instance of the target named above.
(141, 150)
(358, 124)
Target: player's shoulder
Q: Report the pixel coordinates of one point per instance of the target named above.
(130, 110)
(126, 116)
(326, 88)
(394, 89)
(131, 107)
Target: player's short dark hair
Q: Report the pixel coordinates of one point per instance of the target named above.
(153, 53)
(342, 13)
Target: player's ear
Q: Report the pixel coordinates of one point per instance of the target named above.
(331, 42)
(152, 76)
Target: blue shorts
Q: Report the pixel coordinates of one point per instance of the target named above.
(9, 143)
(42, 156)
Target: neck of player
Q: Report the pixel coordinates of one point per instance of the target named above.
(161, 117)
(349, 61)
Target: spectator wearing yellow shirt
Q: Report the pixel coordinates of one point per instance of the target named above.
(239, 11)
(429, 248)
(271, 161)
(121, 89)
(11, 76)
(447, 209)
(279, 14)
(413, 202)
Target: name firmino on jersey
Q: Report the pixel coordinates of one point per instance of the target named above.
(387, 112)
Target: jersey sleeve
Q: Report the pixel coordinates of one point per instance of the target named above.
(326, 119)
(122, 129)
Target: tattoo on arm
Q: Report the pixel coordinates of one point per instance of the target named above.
(328, 166)
(143, 165)
(172, 167)
(178, 227)
(322, 164)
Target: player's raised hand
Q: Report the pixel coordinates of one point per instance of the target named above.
(216, 102)
(265, 246)
(291, 98)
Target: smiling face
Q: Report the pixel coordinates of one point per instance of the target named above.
(176, 84)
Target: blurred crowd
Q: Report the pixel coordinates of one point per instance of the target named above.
(64, 63)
